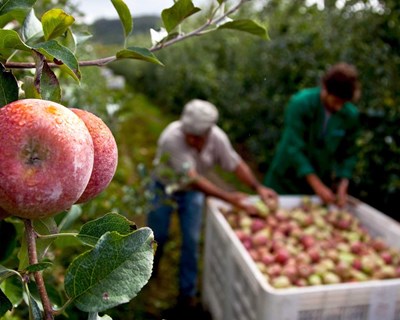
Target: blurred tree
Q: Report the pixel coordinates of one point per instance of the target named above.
(251, 80)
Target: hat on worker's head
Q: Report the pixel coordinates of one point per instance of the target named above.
(198, 117)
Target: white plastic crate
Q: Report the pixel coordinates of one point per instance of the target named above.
(235, 289)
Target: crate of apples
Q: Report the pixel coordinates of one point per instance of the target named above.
(310, 244)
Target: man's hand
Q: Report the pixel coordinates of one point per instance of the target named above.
(320, 189)
(238, 199)
(326, 194)
(341, 194)
(266, 194)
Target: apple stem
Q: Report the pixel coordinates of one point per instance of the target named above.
(32, 253)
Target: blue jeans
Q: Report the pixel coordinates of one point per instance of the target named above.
(190, 206)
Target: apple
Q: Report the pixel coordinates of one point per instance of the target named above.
(272, 204)
(282, 215)
(257, 224)
(307, 241)
(263, 209)
(314, 280)
(46, 158)
(304, 270)
(267, 258)
(245, 222)
(281, 282)
(378, 244)
(356, 247)
(314, 253)
(330, 278)
(105, 155)
(343, 269)
(274, 270)
(242, 235)
(290, 271)
(254, 254)
(386, 256)
(368, 264)
(282, 255)
(261, 238)
(301, 282)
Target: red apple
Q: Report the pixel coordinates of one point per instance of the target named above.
(282, 255)
(314, 253)
(46, 158)
(274, 269)
(261, 238)
(386, 256)
(307, 241)
(304, 270)
(257, 224)
(268, 259)
(290, 271)
(105, 154)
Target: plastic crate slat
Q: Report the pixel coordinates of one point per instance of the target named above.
(241, 292)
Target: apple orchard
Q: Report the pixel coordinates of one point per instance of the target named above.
(54, 158)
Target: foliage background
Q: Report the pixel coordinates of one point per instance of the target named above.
(251, 80)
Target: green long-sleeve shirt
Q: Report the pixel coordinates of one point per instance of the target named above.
(313, 142)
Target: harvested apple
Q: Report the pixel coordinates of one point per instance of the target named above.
(46, 159)
(311, 245)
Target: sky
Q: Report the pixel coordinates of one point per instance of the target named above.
(97, 9)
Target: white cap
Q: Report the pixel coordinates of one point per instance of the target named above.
(198, 116)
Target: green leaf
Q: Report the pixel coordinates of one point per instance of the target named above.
(9, 39)
(46, 82)
(28, 85)
(138, 54)
(113, 272)
(174, 15)
(5, 304)
(95, 316)
(39, 266)
(72, 215)
(32, 27)
(124, 15)
(34, 310)
(61, 55)
(68, 40)
(91, 231)
(5, 273)
(55, 22)
(14, 10)
(12, 5)
(8, 88)
(248, 26)
(42, 226)
(12, 288)
(82, 37)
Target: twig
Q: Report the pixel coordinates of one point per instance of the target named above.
(199, 31)
(103, 61)
(32, 253)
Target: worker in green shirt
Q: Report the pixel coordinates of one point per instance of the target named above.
(317, 150)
